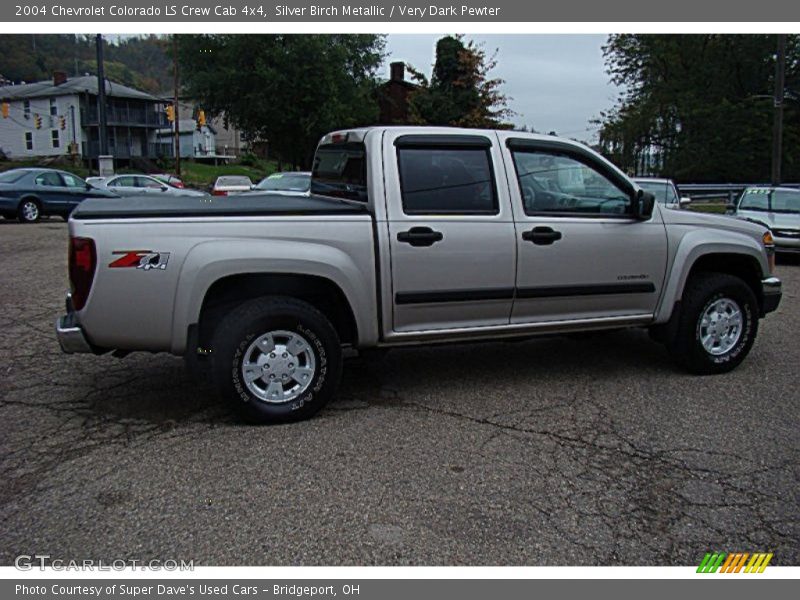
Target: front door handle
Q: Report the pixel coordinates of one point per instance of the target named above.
(420, 236)
(541, 236)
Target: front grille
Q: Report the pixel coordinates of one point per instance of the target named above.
(787, 233)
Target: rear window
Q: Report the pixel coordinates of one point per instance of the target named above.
(233, 180)
(446, 181)
(11, 176)
(340, 170)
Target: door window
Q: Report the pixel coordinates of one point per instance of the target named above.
(446, 181)
(50, 179)
(125, 181)
(147, 182)
(72, 181)
(554, 183)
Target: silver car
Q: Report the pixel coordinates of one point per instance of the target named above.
(776, 208)
(664, 190)
(139, 185)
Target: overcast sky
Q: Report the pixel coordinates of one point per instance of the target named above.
(556, 82)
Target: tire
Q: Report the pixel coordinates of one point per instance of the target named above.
(283, 340)
(710, 303)
(29, 211)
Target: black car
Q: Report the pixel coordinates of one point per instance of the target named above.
(30, 193)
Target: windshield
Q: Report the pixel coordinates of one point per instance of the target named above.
(286, 182)
(340, 170)
(662, 190)
(786, 201)
(768, 200)
(11, 176)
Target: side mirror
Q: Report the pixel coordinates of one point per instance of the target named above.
(643, 205)
(685, 201)
(730, 209)
(164, 188)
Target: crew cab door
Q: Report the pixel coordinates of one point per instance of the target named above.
(581, 253)
(451, 232)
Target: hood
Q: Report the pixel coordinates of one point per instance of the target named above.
(773, 220)
(729, 223)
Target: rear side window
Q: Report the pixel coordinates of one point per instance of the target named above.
(340, 170)
(51, 179)
(447, 180)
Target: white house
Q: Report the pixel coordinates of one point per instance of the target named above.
(61, 117)
(195, 142)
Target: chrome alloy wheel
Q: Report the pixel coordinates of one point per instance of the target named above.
(720, 326)
(278, 366)
(30, 210)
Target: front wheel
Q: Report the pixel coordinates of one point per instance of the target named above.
(717, 324)
(29, 211)
(277, 360)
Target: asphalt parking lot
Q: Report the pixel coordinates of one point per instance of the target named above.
(549, 452)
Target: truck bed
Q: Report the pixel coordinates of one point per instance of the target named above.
(137, 207)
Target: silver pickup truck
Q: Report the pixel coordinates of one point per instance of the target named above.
(410, 236)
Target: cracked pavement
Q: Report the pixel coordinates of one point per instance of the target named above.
(556, 451)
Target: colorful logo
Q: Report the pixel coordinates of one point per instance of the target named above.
(734, 562)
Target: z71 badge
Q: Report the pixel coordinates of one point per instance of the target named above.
(141, 259)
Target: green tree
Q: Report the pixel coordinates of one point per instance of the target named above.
(287, 89)
(697, 107)
(460, 92)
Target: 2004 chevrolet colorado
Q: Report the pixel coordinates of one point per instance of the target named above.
(411, 235)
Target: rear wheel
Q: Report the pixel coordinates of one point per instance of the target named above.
(276, 360)
(717, 324)
(29, 211)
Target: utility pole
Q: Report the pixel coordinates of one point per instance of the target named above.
(101, 97)
(177, 120)
(777, 130)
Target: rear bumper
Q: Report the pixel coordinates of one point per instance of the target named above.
(771, 291)
(70, 335)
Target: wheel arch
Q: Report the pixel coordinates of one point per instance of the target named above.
(231, 290)
(742, 260)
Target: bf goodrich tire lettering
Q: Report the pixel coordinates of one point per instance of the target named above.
(251, 371)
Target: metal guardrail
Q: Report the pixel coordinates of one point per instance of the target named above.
(722, 191)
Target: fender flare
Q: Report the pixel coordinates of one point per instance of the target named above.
(693, 246)
(208, 262)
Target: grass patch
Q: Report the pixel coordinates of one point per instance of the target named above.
(709, 207)
(203, 175)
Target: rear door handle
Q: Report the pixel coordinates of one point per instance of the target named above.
(541, 236)
(420, 236)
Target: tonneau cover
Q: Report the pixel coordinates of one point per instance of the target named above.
(235, 205)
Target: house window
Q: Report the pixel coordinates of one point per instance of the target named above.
(26, 109)
(53, 107)
(28, 140)
(55, 138)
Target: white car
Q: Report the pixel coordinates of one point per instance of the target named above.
(664, 190)
(139, 185)
(231, 184)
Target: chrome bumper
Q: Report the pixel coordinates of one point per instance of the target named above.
(771, 291)
(70, 335)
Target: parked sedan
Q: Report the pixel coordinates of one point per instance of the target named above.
(664, 190)
(30, 193)
(776, 208)
(140, 185)
(290, 183)
(231, 184)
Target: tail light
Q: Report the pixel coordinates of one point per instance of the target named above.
(219, 193)
(82, 265)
